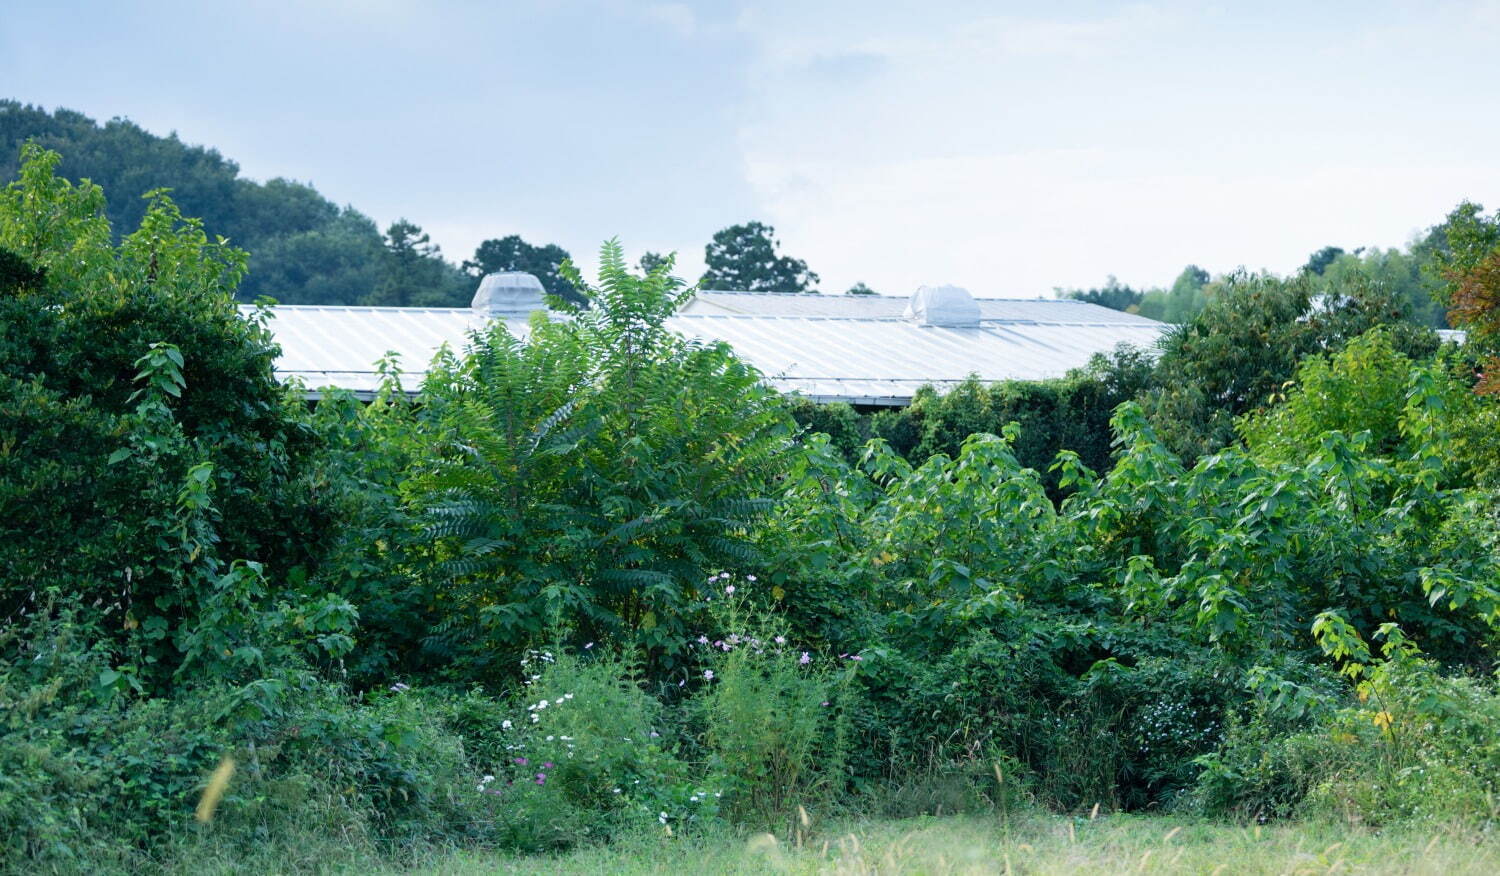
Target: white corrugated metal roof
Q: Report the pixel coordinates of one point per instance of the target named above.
(1065, 310)
(339, 346)
(885, 361)
(828, 348)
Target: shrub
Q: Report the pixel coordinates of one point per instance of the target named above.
(594, 473)
(1360, 388)
(775, 718)
(1102, 643)
(148, 444)
(91, 775)
(1070, 413)
(1407, 743)
(846, 430)
(1240, 349)
(1083, 712)
(582, 754)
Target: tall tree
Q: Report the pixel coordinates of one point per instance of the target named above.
(514, 254)
(1238, 351)
(1467, 259)
(861, 289)
(413, 273)
(1188, 295)
(338, 263)
(1319, 261)
(1395, 271)
(650, 261)
(743, 258)
(1113, 294)
(133, 496)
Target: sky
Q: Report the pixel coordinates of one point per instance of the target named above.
(1006, 148)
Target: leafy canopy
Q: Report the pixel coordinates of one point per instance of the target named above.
(156, 475)
(1468, 263)
(1236, 354)
(592, 474)
(743, 258)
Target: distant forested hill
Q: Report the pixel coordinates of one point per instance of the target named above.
(304, 249)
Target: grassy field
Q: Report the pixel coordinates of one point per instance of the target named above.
(1034, 844)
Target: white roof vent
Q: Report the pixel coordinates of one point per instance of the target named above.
(947, 306)
(509, 295)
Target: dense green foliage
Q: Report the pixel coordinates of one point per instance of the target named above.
(413, 274)
(594, 474)
(147, 444)
(598, 579)
(307, 250)
(1240, 350)
(1178, 304)
(1467, 264)
(1070, 413)
(1411, 279)
(1403, 276)
(303, 248)
(1113, 294)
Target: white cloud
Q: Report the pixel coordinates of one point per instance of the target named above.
(1076, 38)
(1017, 225)
(1014, 152)
(796, 36)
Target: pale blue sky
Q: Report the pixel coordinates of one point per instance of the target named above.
(1008, 148)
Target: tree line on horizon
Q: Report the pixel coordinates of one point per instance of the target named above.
(1411, 275)
(305, 249)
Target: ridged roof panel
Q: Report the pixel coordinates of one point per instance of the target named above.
(863, 353)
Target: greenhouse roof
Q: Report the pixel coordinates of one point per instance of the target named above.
(889, 307)
(332, 346)
(885, 361)
(863, 350)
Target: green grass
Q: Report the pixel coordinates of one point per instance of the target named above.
(1033, 844)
